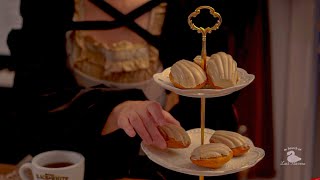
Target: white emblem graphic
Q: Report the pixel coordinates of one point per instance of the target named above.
(292, 158)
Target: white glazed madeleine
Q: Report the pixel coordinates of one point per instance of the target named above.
(211, 155)
(187, 75)
(198, 60)
(175, 136)
(222, 70)
(235, 141)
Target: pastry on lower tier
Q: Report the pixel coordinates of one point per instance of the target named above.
(211, 155)
(235, 141)
(222, 70)
(175, 136)
(187, 75)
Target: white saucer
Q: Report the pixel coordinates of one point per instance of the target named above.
(179, 159)
(163, 80)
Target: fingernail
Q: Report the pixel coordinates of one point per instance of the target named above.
(131, 133)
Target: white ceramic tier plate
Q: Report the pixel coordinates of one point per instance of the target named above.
(163, 80)
(179, 159)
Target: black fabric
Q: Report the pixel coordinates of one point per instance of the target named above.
(219, 113)
(6, 62)
(121, 20)
(106, 25)
(129, 19)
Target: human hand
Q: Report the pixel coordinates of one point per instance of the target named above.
(140, 117)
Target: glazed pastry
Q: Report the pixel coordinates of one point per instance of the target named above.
(211, 155)
(235, 141)
(198, 60)
(187, 75)
(175, 136)
(222, 70)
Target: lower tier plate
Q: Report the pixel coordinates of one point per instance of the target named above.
(179, 159)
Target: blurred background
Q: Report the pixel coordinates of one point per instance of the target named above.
(287, 117)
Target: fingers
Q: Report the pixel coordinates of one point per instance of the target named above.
(151, 126)
(155, 110)
(124, 124)
(140, 128)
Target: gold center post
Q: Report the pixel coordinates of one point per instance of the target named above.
(204, 32)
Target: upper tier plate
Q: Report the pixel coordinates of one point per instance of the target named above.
(179, 159)
(163, 80)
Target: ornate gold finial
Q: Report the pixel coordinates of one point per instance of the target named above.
(204, 31)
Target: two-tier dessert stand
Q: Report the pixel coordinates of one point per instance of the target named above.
(179, 159)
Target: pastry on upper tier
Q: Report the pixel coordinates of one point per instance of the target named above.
(175, 136)
(198, 60)
(211, 155)
(187, 75)
(222, 70)
(235, 141)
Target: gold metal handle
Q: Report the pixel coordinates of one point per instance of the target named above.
(204, 31)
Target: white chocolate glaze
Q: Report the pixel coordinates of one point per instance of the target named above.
(176, 132)
(210, 151)
(188, 74)
(222, 70)
(229, 138)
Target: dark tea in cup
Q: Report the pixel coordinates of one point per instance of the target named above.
(58, 165)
